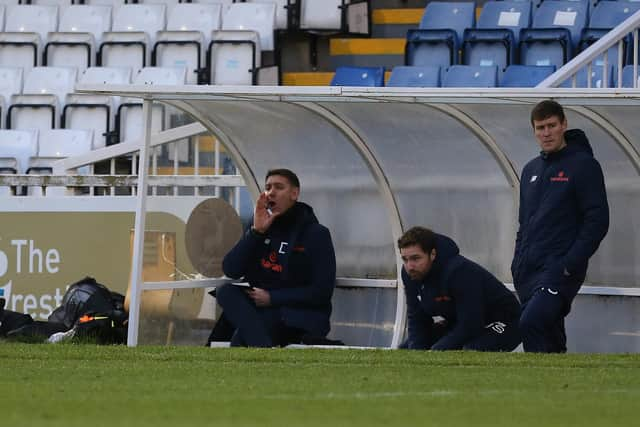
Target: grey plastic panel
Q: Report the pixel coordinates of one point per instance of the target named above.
(334, 179)
(442, 176)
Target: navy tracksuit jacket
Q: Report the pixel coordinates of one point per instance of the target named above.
(563, 217)
(457, 289)
(295, 262)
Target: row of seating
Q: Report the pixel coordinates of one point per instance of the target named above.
(33, 152)
(514, 32)
(46, 100)
(215, 45)
(475, 76)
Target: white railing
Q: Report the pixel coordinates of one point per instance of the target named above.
(64, 170)
(593, 52)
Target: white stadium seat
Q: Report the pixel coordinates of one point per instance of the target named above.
(10, 84)
(130, 111)
(184, 44)
(16, 148)
(80, 31)
(320, 14)
(234, 57)
(44, 92)
(133, 35)
(25, 30)
(56, 144)
(281, 11)
(95, 112)
(259, 17)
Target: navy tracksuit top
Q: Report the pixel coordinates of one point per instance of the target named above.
(564, 215)
(462, 292)
(295, 261)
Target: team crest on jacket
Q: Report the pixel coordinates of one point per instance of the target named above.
(272, 263)
(560, 177)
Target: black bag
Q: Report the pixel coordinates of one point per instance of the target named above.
(101, 329)
(10, 320)
(88, 296)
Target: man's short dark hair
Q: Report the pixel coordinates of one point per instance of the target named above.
(545, 109)
(287, 173)
(420, 236)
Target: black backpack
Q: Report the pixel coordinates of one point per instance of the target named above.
(88, 296)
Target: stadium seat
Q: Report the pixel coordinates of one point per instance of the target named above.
(234, 58)
(129, 121)
(189, 29)
(95, 112)
(16, 148)
(438, 39)
(321, 15)
(60, 4)
(406, 76)
(597, 80)
(26, 28)
(54, 145)
(605, 16)
(258, 17)
(282, 11)
(471, 76)
(45, 89)
(494, 40)
(10, 84)
(79, 32)
(525, 75)
(627, 77)
(134, 31)
(554, 34)
(358, 76)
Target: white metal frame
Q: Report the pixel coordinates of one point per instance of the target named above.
(307, 97)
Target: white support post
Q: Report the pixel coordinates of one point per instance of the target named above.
(138, 237)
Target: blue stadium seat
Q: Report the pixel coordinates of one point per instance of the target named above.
(488, 47)
(494, 40)
(358, 76)
(554, 34)
(605, 16)
(470, 76)
(627, 76)
(414, 77)
(439, 35)
(596, 78)
(525, 75)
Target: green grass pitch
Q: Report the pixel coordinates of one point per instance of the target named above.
(85, 385)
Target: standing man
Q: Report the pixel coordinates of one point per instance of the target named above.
(563, 217)
(452, 302)
(287, 258)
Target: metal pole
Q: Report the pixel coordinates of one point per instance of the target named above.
(138, 237)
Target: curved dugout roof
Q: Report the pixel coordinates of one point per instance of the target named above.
(376, 161)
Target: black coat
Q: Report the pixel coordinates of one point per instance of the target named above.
(564, 215)
(461, 292)
(295, 262)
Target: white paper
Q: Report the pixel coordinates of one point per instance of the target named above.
(486, 62)
(565, 19)
(509, 19)
(543, 62)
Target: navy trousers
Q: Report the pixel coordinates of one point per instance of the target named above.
(542, 322)
(497, 336)
(254, 326)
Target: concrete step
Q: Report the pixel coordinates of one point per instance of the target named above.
(315, 78)
(374, 52)
(394, 23)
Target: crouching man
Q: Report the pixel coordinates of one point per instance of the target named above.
(452, 302)
(288, 259)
